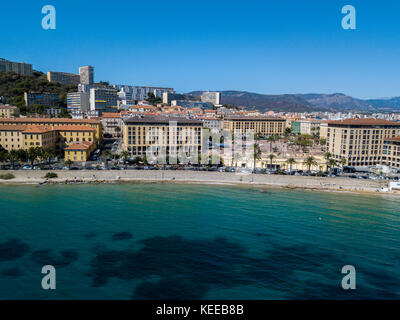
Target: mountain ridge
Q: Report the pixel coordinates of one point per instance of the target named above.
(308, 102)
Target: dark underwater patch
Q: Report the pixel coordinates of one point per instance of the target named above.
(13, 249)
(13, 272)
(47, 257)
(121, 236)
(188, 269)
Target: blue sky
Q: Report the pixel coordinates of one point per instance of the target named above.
(264, 46)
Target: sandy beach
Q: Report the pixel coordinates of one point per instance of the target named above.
(201, 177)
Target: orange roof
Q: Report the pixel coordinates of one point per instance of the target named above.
(51, 120)
(111, 115)
(394, 139)
(79, 146)
(5, 127)
(364, 122)
(74, 128)
(37, 129)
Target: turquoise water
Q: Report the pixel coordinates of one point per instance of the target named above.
(161, 241)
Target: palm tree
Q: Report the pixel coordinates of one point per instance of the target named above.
(13, 157)
(33, 153)
(332, 163)
(3, 156)
(290, 162)
(256, 154)
(309, 162)
(327, 156)
(68, 163)
(125, 155)
(271, 140)
(271, 157)
(47, 154)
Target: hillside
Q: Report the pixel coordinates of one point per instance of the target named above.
(13, 86)
(305, 102)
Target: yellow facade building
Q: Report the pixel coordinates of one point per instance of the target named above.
(263, 126)
(55, 122)
(7, 111)
(391, 152)
(359, 141)
(173, 134)
(79, 152)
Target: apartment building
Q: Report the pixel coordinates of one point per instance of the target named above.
(44, 99)
(79, 152)
(306, 126)
(211, 97)
(103, 100)
(112, 123)
(263, 126)
(69, 138)
(63, 77)
(86, 75)
(7, 111)
(138, 93)
(22, 68)
(359, 141)
(173, 134)
(78, 101)
(57, 122)
(391, 152)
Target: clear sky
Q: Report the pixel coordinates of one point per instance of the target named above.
(265, 46)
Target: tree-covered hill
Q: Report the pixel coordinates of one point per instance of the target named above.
(13, 86)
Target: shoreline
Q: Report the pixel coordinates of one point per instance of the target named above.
(343, 185)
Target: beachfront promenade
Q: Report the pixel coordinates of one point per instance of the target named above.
(280, 181)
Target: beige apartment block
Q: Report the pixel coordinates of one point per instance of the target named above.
(359, 141)
(264, 126)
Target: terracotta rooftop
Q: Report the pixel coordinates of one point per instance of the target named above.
(163, 120)
(18, 127)
(49, 120)
(74, 128)
(364, 122)
(394, 139)
(37, 129)
(244, 118)
(79, 146)
(111, 115)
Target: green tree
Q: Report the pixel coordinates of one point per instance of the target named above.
(309, 162)
(290, 162)
(13, 157)
(47, 155)
(33, 153)
(125, 155)
(271, 157)
(68, 163)
(256, 154)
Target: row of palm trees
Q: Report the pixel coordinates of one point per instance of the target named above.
(30, 155)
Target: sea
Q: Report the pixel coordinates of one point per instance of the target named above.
(184, 241)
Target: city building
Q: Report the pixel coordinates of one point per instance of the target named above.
(391, 152)
(306, 126)
(22, 68)
(57, 122)
(103, 100)
(138, 93)
(112, 123)
(359, 141)
(79, 152)
(212, 97)
(263, 126)
(53, 112)
(7, 111)
(167, 97)
(63, 77)
(172, 134)
(78, 101)
(44, 99)
(86, 75)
